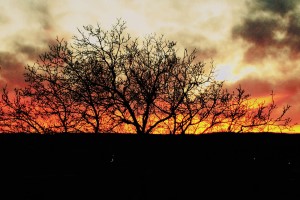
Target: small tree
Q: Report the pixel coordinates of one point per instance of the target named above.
(237, 112)
(20, 114)
(46, 89)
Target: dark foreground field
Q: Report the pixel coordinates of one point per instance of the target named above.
(151, 167)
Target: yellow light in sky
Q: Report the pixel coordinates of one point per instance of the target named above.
(230, 74)
(295, 129)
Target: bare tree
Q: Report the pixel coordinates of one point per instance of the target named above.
(237, 112)
(20, 114)
(81, 79)
(148, 84)
(107, 81)
(44, 105)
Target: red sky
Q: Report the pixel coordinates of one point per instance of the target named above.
(255, 43)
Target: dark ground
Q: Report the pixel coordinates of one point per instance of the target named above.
(151, 167)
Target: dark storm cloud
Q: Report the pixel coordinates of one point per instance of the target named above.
(293, 33)
(281, 7)
(259, 31)
(269, 27)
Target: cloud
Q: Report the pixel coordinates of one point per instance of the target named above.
(37, 11)
(269, 27)
(3, 19)
(25, 35)
(258, 30)
(293, 33)
(281, 7)
(11, 70)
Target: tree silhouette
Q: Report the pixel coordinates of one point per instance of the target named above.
(20, 114)
(46, 89)
(107, 81)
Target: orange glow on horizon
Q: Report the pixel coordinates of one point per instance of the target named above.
(52, 122)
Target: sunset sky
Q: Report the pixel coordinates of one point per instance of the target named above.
(255, 43)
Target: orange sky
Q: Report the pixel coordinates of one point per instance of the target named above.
(254, 43)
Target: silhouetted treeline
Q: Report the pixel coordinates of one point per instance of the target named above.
(107, 81)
